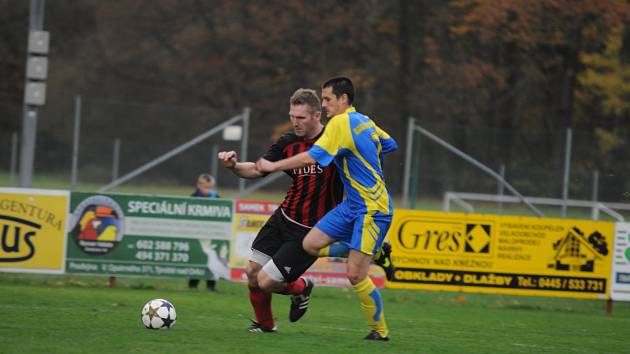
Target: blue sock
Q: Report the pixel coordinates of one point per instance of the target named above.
(336, 249)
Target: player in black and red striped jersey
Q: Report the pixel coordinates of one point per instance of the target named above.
(278, 260)
(315, 190)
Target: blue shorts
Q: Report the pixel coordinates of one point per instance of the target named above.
(360, 231)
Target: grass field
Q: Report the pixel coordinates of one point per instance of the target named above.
(64, 314)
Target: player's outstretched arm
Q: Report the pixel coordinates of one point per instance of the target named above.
(229, 159)
(297, 161)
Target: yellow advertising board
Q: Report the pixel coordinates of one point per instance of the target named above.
(33, 230)
(249, 218)
(501, 254)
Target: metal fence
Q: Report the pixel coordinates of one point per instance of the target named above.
(559, 165)
(114, 139)
(118, 137)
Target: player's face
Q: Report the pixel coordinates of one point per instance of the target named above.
(304, 123)
(332, 104)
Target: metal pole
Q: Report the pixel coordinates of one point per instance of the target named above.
(14, 152)
(29, 114)
(407, 168)
(75, 142)
(116, 159)
(500, 187)
(27, 153)
(595, 185)
(446, 202)
(36, 19)
(480, 166)
(244, 144)
(214, 164)
(567, 168)
(415, 178)
(595, 210)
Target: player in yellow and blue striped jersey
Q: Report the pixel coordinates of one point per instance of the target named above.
(356, 145)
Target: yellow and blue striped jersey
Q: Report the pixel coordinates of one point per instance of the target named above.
(357, 146)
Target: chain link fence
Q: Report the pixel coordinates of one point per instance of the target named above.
(118, 137)
(532, 161)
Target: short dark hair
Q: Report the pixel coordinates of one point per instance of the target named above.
(308, 97)
(341, 85)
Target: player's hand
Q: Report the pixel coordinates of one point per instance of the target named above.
(228, 158)
(265, 166)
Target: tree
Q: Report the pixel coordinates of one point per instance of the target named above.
(519, 60)
(13, 34)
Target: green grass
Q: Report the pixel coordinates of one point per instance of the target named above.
(65, 314)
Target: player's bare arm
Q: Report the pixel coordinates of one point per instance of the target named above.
(297, 161)
(229, 159)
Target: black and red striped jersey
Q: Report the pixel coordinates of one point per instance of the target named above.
(315, 190)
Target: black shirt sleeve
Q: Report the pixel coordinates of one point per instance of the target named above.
(275, 151)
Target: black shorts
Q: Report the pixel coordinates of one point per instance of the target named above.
(281, 239)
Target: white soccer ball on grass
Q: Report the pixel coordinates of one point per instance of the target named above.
(158, 314)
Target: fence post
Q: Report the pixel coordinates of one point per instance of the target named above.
(500, 187)
(116, 159)
(75, 142)
(446, 202)
(416, 173)
(410, 133)
(595, 209)
(244, 143)
(567, 171)
(214, 164)
(13, 163)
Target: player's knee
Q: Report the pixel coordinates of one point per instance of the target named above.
(354, 278)
(356, 275)
(265, 282)
(310, 247)
(252, 271)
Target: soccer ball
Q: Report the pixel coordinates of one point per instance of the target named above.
(158, 314)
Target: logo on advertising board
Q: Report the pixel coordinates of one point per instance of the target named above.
(17, 245)
(576, 252)
(478, 237)
(98, 225)
(251, 223)
(256, 207)
(436, 236)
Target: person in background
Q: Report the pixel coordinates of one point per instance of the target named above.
(205, 189)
